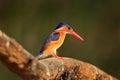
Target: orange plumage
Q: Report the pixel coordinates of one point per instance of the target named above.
(56, 39)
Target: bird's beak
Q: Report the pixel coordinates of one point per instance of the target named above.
(76, 35)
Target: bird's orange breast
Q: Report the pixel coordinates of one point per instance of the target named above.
(53, 45)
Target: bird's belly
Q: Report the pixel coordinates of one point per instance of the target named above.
(54, 45)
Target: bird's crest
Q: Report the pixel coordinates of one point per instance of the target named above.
(61, 24)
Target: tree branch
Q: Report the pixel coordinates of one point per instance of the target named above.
(21, 62)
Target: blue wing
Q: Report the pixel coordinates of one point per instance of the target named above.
(53, 37)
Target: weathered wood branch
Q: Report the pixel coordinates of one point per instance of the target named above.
(21, 62)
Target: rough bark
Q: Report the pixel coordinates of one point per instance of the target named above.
(26, 66)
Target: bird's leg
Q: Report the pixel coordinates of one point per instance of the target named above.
(56, 56)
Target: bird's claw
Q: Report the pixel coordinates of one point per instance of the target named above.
(56, 56)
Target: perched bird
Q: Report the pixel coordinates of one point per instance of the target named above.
(56, 39)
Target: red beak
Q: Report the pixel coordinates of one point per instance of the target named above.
(76, 35)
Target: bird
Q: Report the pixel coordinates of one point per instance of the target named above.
(56, 39)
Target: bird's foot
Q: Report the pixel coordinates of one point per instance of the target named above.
(56, 56)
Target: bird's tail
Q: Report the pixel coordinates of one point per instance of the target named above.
(41, 55)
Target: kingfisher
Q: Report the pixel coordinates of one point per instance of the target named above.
(56, 39)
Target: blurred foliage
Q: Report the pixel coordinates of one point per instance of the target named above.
(97, 21)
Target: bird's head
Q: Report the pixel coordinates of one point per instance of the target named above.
(67, 29)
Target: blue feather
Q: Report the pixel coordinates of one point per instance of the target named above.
(61, 24)
(40, 53)
(53, 37)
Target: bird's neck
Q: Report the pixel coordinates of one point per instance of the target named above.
(62, 33)
(62, 37)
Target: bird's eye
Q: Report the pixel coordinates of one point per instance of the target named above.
(69, 28)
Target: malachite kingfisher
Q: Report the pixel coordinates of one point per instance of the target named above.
(56, 39)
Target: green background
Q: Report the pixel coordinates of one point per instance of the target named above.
(97, 21)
